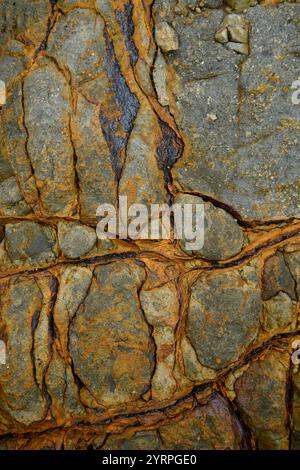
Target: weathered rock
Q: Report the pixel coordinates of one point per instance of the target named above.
(124, 344)
(233, 28)
(30, 242)
(2, 93)
(160, 79)
(22, 397)
(277, 277)
(11, 198)
(229, 160)
(109, 334)
(261, 398)
(74, 239)
(240, 5)
(213, 3)
(240, 48)
(223, 318)
(10, 68)
(27, 21)
(161, 310)
(143, 440)
(296, 411)
(279, 313)
(13, 155)
(293, 260)
(208, 427)
(47, 117)
(222, 36)
(166, 37)
(141, 180)
(96, 177)
(67, 5)
(77, 44)
(223, 237)
(62, 387)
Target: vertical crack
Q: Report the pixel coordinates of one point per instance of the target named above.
(118, 114)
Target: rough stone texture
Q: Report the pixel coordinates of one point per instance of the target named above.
(160, 79)
(296, 411)
(280, 313)
(118, 345)
(210, 427)
(47, 115)
(75, 240)
(166, 37)
(229, 159)
(27, 21)
(277, 277)
(161, 310)
(293, 260)
(261, 395)
(223, 238)
(223, 318)
(30, 241)
(144, 344)
(22, 381)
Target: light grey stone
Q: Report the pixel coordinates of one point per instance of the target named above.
(30, 242)
(74, 239)
(160, 79)
(223, 237)
(279, 313)
(230, 160)
(166, 37)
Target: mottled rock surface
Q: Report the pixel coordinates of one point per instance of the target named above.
(223, 318)
(230, 159)
(223, 238)
(75, 240)
(261, 395)
(146, 344)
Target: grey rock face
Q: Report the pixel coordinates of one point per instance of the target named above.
(216, 420)
(20, 310)
(77, 43)
(96, 177)
(293, 260)
(223, 237)
(239, 5)
(229, 159)
(47, 116)
(277, 277)
(112, 353)
(139, 441)
(29, 20)
(223, 317)
(30, 242)
(11, 198)
(261, 398)
(279, 313)
(234, 31)
(144, 344)
(166, 37)
(160, 79)
(75, 240)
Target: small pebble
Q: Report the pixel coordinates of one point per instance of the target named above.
(2, 93)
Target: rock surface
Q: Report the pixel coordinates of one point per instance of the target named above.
(224, 316)
(223, 238)
(145, 344)
(229, 159)
(75, 240)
